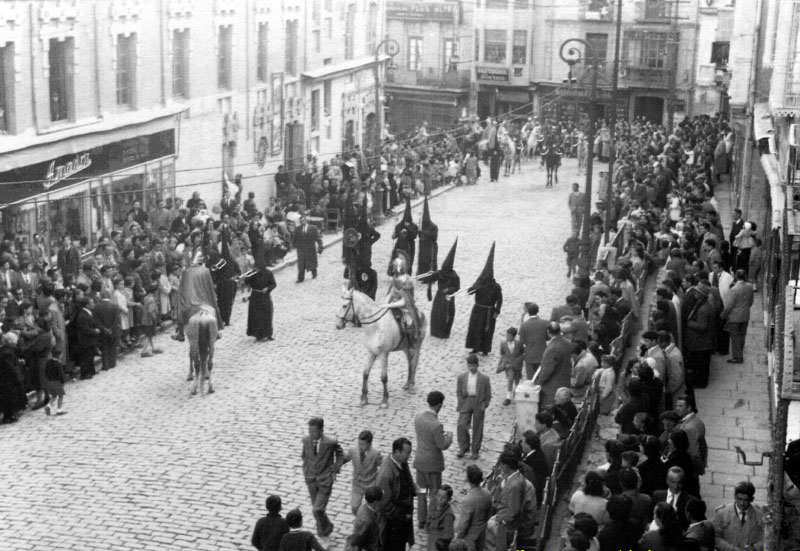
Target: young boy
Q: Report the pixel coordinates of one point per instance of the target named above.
(298, 539)
(510, 362)
(270, 529)
(572, 248)
(150, 319)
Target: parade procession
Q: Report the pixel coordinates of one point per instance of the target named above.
(291, 276)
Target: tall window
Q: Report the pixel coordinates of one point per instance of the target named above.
(326, 106)
(450, 50)
(261, 61)
(520, 47)
(328, 28)
(372, 28)
(719, 53)
(126, 69)
(414, 53)
(349, 31)
(494, 50)
(180, 63)
(60, 58)
(224, 57)
(477, 45)
(599, 45)
(317, 40)
(6, 56)
(314, 110)
(290, 61)
(654, 50)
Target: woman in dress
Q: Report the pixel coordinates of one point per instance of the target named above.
(260, 310)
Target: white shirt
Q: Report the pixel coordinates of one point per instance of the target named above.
(472, 384)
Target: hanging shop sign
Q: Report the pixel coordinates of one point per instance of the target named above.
(421, 11)
(492, 74)
(56, 173)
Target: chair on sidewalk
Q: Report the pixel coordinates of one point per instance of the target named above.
(333, 220)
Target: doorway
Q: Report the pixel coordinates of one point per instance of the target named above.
(651, 108)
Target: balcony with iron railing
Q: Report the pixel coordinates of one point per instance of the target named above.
(648, 11)
(430, 77)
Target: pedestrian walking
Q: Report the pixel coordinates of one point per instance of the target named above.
(308, 242)
(86, 334)
(556, 366)
(397, 505)
(474, 392)
(488, 302)
(322, 460)
(269, 530)
(432, 439)
(366, 465)
(736, 315)
(572, 249)
(510, 363)
(576, 203)
(260, 309)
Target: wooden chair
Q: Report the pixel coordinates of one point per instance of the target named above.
(333, 220)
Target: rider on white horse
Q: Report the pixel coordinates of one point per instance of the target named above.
(401, 296)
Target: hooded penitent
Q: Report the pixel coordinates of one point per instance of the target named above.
(447, 265)
(407, 218)
(349, 220)
(487, 275)
(405, 235)
(428, 246)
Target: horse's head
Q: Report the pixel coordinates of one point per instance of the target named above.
(346, 310)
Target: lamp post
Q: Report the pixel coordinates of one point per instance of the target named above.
(570, 52)
(392, 48)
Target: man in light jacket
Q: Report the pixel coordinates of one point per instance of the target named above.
(737, 315)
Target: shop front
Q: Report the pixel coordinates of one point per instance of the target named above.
(557, 103)
(88, 194)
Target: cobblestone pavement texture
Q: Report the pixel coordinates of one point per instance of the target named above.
(140, 464)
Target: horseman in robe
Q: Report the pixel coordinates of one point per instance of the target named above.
(196, 289)
(401, 297)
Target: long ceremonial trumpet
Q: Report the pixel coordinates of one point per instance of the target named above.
(460, 293)
(245, 275)
(219, 265)
(420, 276)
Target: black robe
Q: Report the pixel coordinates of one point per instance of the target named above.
(226, 289)
(259, 311)
(404, 236)
(443, 310)
(488, 301)
(428, 249)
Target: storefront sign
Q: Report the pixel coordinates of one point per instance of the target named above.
(492, 74)
(56, 173)
(420, 11)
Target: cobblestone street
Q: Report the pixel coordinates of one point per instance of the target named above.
(140, 464)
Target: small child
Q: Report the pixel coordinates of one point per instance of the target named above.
(441, 520)
(270, 529)
(164, 290)
(121, 300)
(510, 362)
(174, 283)
(572, 247)
(149, 320)
(607, 379)
(297, 539)
(54, 379)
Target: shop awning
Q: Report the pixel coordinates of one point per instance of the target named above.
(328, 71)
(19, 151)
(762, 121)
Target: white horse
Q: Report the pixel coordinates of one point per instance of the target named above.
(382, 335)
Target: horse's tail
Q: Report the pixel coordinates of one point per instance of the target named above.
(203, 341)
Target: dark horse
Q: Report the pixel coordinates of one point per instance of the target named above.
(552, 160)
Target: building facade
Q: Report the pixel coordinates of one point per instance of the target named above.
(430, 77)
(107, 103)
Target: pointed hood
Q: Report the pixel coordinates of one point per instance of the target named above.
(350, 219)
(447, 265)
(363, 219)
(426, 215)
(487, 275)
(407, 214)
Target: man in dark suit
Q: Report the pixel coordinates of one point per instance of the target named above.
(474, 392)
(556, 366)
(429, 459)
(535, 463)
(106, 313)
(308, 242)
(565, 309)
(86, 333)
(533, 337)
(397, 505)
(322, 460)
(740, 525)
(674, 495)
(476, 509)
(700, 531)
(9, 278)
(68, 260)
